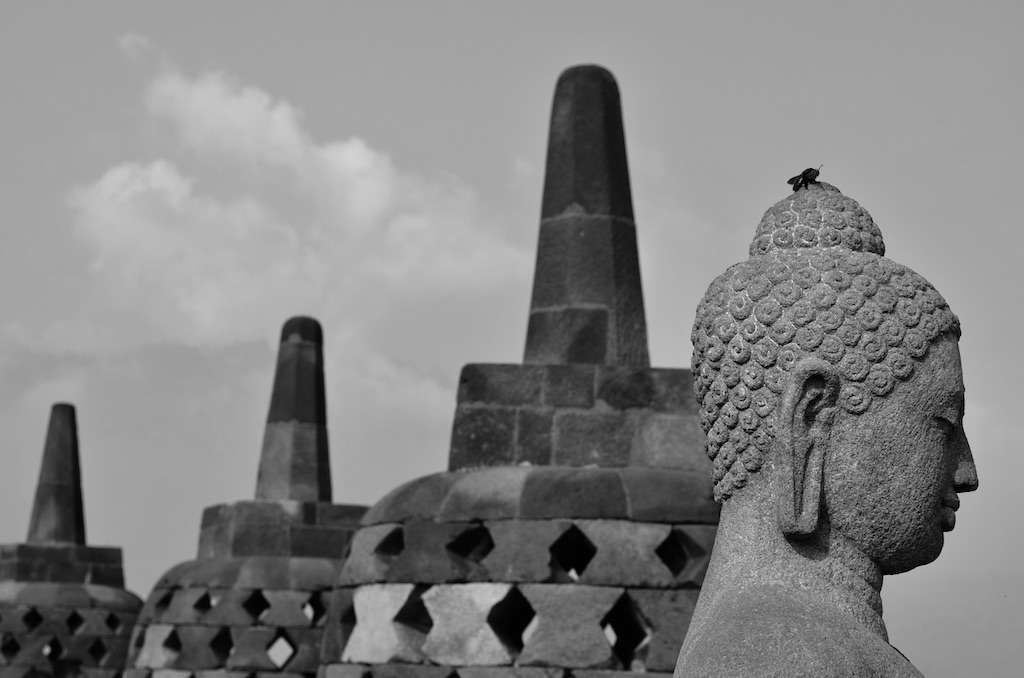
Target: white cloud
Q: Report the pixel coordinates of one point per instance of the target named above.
(213, 113)
(197, 270)
(349, 234)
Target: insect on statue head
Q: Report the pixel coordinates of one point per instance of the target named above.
(806, 178)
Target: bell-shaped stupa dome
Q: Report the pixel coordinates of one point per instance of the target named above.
(572, 529)
(254, 600)
(63, 606)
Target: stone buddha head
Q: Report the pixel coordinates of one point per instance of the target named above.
(830, 376)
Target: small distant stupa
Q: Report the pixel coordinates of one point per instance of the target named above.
(255, 598)
(63, 606)
(571, 533)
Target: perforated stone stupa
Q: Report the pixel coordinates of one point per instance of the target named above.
(571, 532)
(63, 606)
(254, 599)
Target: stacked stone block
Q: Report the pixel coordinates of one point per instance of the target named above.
(574, 415)
(572, 530)
(255, 600)
(63, 607)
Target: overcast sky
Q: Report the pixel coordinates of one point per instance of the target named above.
(177, 179)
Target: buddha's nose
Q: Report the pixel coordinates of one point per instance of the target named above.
(965, 477)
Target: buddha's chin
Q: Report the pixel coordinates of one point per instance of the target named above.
(921, 555)
(948, 519)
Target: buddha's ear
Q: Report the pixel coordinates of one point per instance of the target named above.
(804, 420)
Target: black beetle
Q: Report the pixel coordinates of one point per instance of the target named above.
(805, 178)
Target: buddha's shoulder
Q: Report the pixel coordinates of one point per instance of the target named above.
(756, 634)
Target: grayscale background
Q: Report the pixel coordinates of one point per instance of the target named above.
(177, 179)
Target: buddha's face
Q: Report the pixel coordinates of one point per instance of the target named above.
(892, 474)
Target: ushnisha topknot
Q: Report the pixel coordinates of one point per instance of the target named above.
(816, 284)
(820, 216)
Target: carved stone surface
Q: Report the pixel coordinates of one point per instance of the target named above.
(575, 522)
(587, 305)
(574, 415)
(63, 606)
(831, 390)
(256, 598)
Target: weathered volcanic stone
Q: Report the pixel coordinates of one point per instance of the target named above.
(516, 556)
(509, 672)
(295, 443)
(587, 304)
(461, 633)
(575, 415)
(62, 603)
(255, 599)
(573, 640)
(57, 515)
(669, 614)
(662, 495)
(371, 556)
(378, 638)
(624, 553)
(494, 494)
(574, 479)
(574, 493)
(832, 396)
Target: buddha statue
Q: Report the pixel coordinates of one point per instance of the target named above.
(831, 393)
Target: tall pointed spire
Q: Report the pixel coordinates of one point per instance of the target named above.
(57, 515)
(295, 462)
(72, 612)
(587, 304)
(571, 532)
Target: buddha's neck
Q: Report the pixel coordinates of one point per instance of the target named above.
(751, 547)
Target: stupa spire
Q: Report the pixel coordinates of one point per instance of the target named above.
(295, 463)
(57, 515)
(587, 305)
(255, 596)
(570, 534)
(63, 604)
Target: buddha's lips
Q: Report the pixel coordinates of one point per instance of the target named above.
(951, 503)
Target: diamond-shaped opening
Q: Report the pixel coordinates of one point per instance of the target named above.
(313, 608)
(256, 605)
(9, 646)
(414, 613)
(53, 649)
(392, 545)
(74, 621)
(570, 555)
(510, 618)
(628, 633)
(172, 643)
(203, 603)
(678, 550)
(98, 651)
(473, 544)
(112, 622)
(280, 650)
(222, 645)
(163, 603)
(32, 619)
